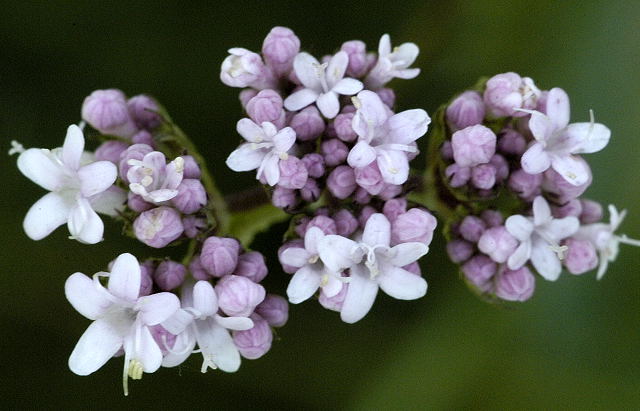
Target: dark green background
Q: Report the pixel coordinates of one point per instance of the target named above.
(574, 345)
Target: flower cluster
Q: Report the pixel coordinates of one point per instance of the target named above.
(324, 124)
(511, 158)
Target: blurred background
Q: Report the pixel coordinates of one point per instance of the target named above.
(575, 344)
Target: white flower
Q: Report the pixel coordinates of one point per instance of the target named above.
(77, 189)
(121, 319)
(372, 265)
(322, 82)
(392, 63)
(153, 179)
(312, 273)
(603, 238)
(199, 321)
(557, 140)
(385, 137)
(265, 148)
(539, 238)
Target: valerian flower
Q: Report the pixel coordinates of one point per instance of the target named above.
(153, 179)
(392, 63)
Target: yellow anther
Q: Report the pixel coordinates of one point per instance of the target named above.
(135, 370)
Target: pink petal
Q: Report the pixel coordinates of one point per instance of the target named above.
(361, 155)
(98, 344)
(407, 126)
(541, 126)
(181, 350)
(573, 169)
(124, 281)
(394, 166)
(401, 284)
(284, 140)
(371, 113)
(360, 296)
(535, 160)
(587, 137)
(47, 214)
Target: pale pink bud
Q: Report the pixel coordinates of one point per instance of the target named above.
(507, 92)
(395, 207)
(274, 309)
(572, 208)
(511, 142)
(334, 303)
(238, 296)
(387, 95)
(284, 198)
(197, 270)
(146, 281)
(246, 95)
(193, 225)
(515, 285)
(298, 243)
(483, 176)
(580, 257)
(459, 250)
(243, 68)
(334, 152)
(280, 48)
(111, 151)
(501, 166)
(191, 196)
(471, 228)
(479, 269)
(473, 145)
(106, 111)
(324, 223)
(134, 152)
(137, 203)
(446, 150)
(255, 342)
(314, 164)
(293, 173)
(526, 185)
(144, 112)
(563, 190)
(342, 182)
(191, 168)
(143, 137)
(492, 218)
(311, 191)
(390, 191)
(498, 244)
(158, 227)
(357, 52)
(370, 178)
(308, 124)
(466, 110)
(416, 225)
(362, 196)
(458, 176)
(591, 212)
(413, 268)
(163, 338)
(267, 106)
(346, 223)
(365, 213)
(343, 128)
(252, 266)
(169, 275)
(219, 255)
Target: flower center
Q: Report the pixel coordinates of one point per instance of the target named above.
(320, 73)
(135, 369)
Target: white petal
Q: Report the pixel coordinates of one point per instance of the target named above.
(405, 54)
(215, 340)
(371, 114)
(85, 296)
(235, 323)
(558, 108)
(73, 147)
(333, 285)
(338, 253)
(520, 256)
(311, 240)
(536, 159)
(250, 131)
(541, 126)
(306, 68)
(149, 353)
(295, 257)
(271, 169)
(541, 211)
(394, 166)
(360, 296)
(407, 126)
(40, 167)
(205, 299)
(124, 281)
(406, 253)
(158, 196)
(587, 137)
(336, 68)
(245, 158)
(178, 322)
(84, 224)
(361, 155)
(98, 344)
(300, 99)
(304, 283)
(348, 86)
(401, 284)
(520, 227)
(573, 169)
(545, 260)
(377, 231)
(407, 74)
(47, 214)
(328, 104)
(384, 46)
(284, 140)
(181, 350)
(97, 177)
(561, 228)
(156, 308)
(109, 202)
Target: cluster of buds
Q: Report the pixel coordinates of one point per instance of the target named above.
(325, 126)
(511, 164)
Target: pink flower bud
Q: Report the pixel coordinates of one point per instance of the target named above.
(395, 207)
(446, 151)
(515, 285)
(334, 303)
(106, 111)
(252, 266)
(492, 218)
(146, 282)
(507, 92)
(293, 173)
(134, 152)
(473, 145)
(255, 342)
(479, 269)
(370, 178)
(308, 124)
(284, 198)
(137, 203)
(526, 185)
(324, 223)
(219, 255)
(571, 209)
(501, 166)
(563, 190)
(346, 223)
(483, 176)
(144, 112)
(458, 176)
(193, 225)
(243, 68)
(343, 128)
(169, 275)
(298, 243)
(591, 212)
(111, 151)
(357, 52)
(413, 268)
(416, 225)
(334, 152)
(511, 142)
(387, 95)
(158, 227)
(361, 196)
(341, 182)
(459, 250)
(498, 244)
(466, 110)
(471, 228)
(267, 106)
(311, 191)
(238, 296)
(365, 213)
(143, 137)
(191, 196)
(580, 257)
(163, 338)
(280, 48)
(314, 164)
(274, 309)
(197, 271)
(246, 95)
(191, 168)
